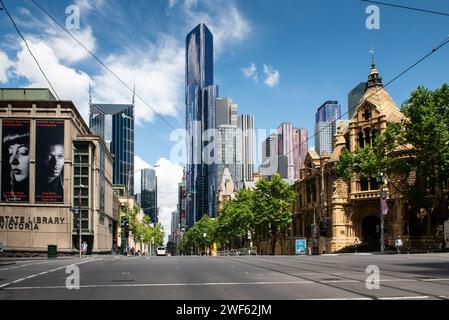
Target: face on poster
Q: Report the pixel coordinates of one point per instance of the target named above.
(50, 161)
(15, 160)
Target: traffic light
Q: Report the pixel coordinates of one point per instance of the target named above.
(125, 226)
(76, 224)
(323, 230)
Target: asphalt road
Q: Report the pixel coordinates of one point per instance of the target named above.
(341, 277)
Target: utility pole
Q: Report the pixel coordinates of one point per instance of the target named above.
(383, 197)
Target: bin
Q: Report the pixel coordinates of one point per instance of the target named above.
(52, 251)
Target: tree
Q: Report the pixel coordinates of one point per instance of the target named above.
(273, 200)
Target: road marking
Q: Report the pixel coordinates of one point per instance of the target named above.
(404, 298)
(340, 281)
(165, 285)
(24, 265)
(46, 272)
(337, 299)
(436, 279)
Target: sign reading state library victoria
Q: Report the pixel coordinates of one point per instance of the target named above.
(22, 223)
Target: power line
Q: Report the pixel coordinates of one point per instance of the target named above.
(408, 8)
(441, 45)
(29, 50)
(102, 63)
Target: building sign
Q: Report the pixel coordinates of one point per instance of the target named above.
(15, 155)
(49, 161)
(300, 246)
(21, 223)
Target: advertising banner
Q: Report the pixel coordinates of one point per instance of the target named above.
(49, 161)
(15, 171)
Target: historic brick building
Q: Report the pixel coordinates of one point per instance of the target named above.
(332, 212)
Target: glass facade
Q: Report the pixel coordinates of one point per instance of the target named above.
(325, 129)
(114, 123)
(200, 116)
(149, 194)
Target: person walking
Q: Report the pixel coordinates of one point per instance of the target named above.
(356, 245)
(84, 247)
(399, 244)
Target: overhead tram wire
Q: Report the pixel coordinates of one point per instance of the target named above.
(102, 63)
(29, 49)
(441, 45)
(406, 7)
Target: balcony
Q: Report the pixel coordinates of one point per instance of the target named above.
(365, 195)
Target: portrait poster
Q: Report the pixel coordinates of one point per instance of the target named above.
(49, 161)
(15, 168)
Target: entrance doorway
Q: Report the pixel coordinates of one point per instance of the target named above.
(371, 232)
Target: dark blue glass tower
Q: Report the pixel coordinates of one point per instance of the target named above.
(200, 117)
(114, 123)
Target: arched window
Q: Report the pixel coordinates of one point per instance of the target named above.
(367, 114)
(361, 140)
(367, 137)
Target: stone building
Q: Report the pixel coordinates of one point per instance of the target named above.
(50, 165)
(332, 212)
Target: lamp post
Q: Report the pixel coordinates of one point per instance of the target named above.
(383, 197)
(204, 236)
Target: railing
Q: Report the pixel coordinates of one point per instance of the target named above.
(365, 195)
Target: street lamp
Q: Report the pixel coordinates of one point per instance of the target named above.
(383, 197)
(204, 236)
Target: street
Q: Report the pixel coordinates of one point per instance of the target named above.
(331, 277)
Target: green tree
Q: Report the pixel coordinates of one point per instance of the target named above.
(273, 200)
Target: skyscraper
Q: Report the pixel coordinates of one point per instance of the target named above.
(303, 146)
(354, 97)
(285, 132)
(247, 131)
(226, 112)
(227, 153)
(325, 127)
(149, 194)
(200, 116)
(114, 123)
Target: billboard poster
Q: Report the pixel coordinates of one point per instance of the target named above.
(300, 246)
(49, 161)
(15, 155)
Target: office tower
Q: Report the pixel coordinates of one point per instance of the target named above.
(182, 202)
(226, 153)
(226, 112)
(247, 147)
(114, 123)
(303, 146)
(354, 97)
(149, 194)
(270, 157)
(200, 117)
(285, 149)
(175, 223)
(325, 127)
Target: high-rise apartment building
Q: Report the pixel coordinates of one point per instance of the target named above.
(246, 128)
(200, 116)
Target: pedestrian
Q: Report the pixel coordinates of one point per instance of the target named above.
(399, 244)
(356, 244)
(84, 246)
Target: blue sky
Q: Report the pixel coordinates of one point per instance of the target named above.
(314, 50)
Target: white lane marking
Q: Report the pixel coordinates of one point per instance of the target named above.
(42, 273)
(340, 281)
(336, 299)
(166, 285)
(436, 279)
(404, 298)
(24, 265)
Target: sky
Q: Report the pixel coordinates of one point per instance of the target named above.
(279, 60)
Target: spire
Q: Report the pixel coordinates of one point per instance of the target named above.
(134, 94)
(90, 94)
(374, 78)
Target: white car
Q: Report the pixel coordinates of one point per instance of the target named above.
(161, 251)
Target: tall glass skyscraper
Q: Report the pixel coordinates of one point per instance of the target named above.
(325, 127)
(114, 123)
(200, 116)
(149, 194)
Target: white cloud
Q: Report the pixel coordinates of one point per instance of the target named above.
(172, 3)
(69, 83)
(224, 20)
(251, 72)
(67, 50)
(5, 65)
(168, 175)
(272, 76)
(159, 79)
